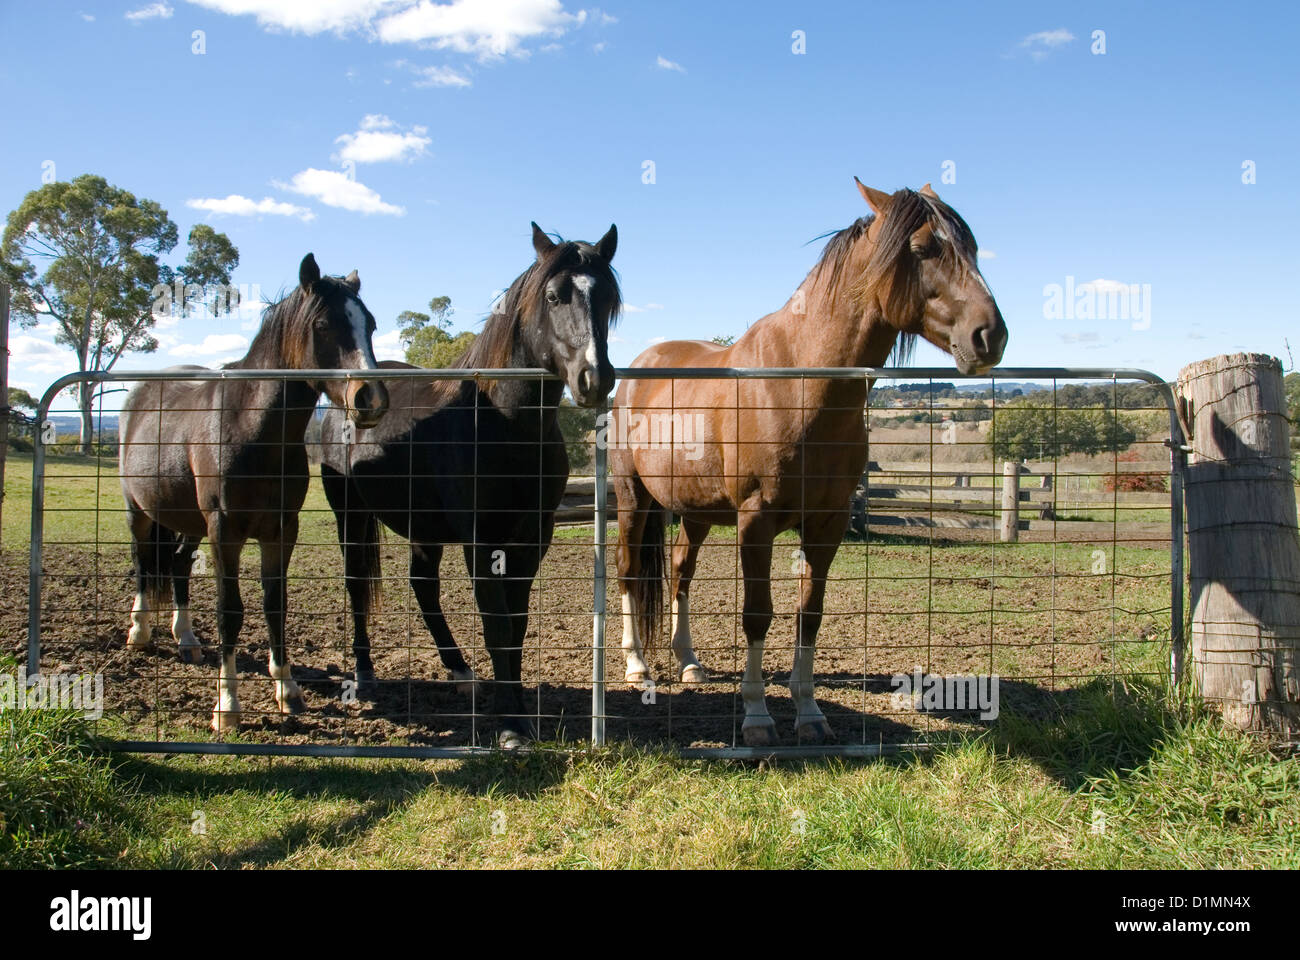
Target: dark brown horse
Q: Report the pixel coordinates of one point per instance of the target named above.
(479, 463)
(226, 460)
(775, 455)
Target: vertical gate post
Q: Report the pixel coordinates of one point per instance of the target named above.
(4, 397)
(1242, 535)
(598, 587)
(1010, 502)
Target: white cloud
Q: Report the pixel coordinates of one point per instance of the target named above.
(1043, 41)
(987, 255)
(212, 343)
(334, 189)
(654, 340)
(88, 17)
(1104, 286)
(377, 142)
(154, 11)
(388, 346)
(306, 16)
(440, 77)
(235, 205)
(633, 308)
(663, 63)
(487, 28)
(1087, 336)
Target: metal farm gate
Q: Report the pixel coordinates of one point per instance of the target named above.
(1003, 539)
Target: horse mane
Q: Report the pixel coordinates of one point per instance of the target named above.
(891, 274)
(281, 340)
(522, 303)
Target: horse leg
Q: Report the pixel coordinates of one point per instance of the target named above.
(275, 568)
(140, 636)
(493, 604)
(519, 585)
(191, 651)
(358, 533)
(685, 553)
(821, 541)
(230, 619)
(634, 505)
(427, 586)
(756, 535)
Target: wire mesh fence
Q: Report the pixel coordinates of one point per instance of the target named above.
(958, 589)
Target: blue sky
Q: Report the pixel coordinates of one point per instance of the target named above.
(465, 120)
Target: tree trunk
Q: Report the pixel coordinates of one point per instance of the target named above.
(1244, 549)
(86, 399)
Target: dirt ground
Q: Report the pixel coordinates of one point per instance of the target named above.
(947, 601)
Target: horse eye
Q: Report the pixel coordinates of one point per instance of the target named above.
(552, 298)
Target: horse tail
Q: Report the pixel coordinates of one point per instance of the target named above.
(367, 559)
(155, 564)
(648, 588)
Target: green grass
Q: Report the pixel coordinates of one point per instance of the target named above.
(1170, 786)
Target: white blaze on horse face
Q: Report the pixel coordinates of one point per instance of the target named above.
(583, 283)
(637, 669)
(357, 317)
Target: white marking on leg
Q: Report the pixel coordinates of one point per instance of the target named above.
(692, 672)
(637, 669)
(140, 636)
(183, 628)
(226, 715)
(751, 688)
(801, 688)
(286, 689)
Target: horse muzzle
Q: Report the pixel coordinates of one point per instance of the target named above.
(367, 402)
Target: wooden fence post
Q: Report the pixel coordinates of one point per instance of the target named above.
(1010, 501)
(1243, 547)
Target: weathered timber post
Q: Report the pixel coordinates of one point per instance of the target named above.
(1242, 538)
(1010, 502)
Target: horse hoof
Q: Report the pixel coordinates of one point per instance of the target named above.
(466, 682)
(139, 642)
(293, 705)
(759, 734)
(814, 732)
(512, 740)
(191, 654)
(367, 685)
(693, 674)
(224, 721)
(635, 677)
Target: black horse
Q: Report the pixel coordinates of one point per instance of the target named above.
(225, 459)
(481, 464)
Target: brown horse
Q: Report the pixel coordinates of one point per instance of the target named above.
(775, 455)
(226, 459)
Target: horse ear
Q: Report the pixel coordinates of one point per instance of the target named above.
(929, 191)
(877, 200)
(607, 244)
(308, 272)
(353, 281)
(541, 242)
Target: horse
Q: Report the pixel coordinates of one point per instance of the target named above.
(479, 463)
(782, 454)
(226, 459)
